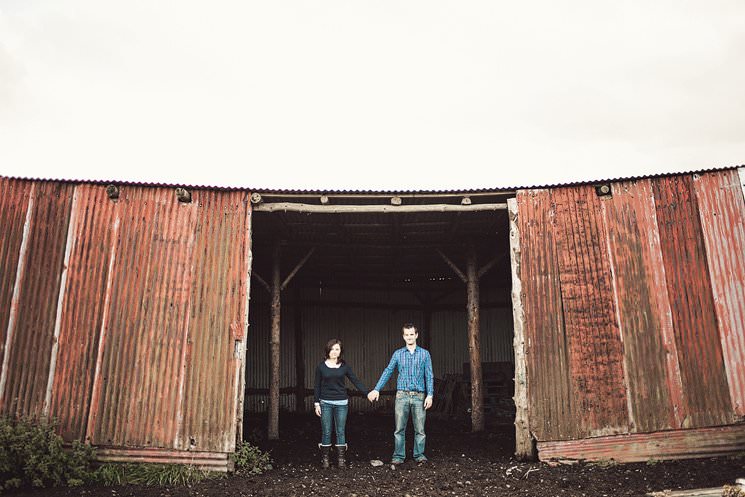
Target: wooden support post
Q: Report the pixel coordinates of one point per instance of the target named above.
(474, 346)
(273, 429)
(524, 447)
(299, 353)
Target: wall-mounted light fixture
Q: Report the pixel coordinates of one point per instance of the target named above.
(112, 191)
(604, 190)
(183, 195)
(396, 200)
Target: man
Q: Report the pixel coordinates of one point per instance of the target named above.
(413, 393)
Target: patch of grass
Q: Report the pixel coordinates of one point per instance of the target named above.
(249, 459)
(32, 455)
(653, 462)
(112, 474)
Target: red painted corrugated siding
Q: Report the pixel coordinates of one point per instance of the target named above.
(553, 408)
(82, 309)
(30, 348)
(136, 398)
(593, 338)
(705, 389)
(722, 212)
(217, 321)
(651, 360)
(14, 197)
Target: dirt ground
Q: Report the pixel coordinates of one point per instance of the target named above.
(461, 464)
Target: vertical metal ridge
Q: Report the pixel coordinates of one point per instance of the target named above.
(29, 367)
(13, 211)
(691, 301)
(81, 310)
(722, 215)
(614, 277)
(592, 331)
(69, 244)
(641, 299)
(14, 301)
(97, 384)
(553, 408)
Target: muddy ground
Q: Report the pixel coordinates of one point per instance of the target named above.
(460, 464)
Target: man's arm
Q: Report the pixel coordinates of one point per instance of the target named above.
(387, 372)
(429, 381)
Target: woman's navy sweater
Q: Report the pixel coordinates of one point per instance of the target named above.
(330, 384)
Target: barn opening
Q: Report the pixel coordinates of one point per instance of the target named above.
(356, 266)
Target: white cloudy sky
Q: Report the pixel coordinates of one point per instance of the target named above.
(376, 94)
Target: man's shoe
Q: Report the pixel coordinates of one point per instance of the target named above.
(396, 462)
(422, 460)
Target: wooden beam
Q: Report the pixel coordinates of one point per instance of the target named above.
(474, 343)
(262, 281)
(524, 446)
(297, 268)
(331, 196)
(484, 269)
(365, 209)
(453, 266)
(273, 428)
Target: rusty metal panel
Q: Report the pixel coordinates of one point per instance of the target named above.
(29, 351)
(593, 339)
(650, 353)
(641, 447)
(217, 324)
(14, 200)
(135, 400)
(722, 211)
(211, 461)
(706, 394)
(554, 408)
(82, 309)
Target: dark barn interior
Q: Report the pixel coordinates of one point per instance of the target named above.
(365, 274)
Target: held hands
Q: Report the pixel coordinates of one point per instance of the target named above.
(373, 395)
(428, 402)
(318, 410)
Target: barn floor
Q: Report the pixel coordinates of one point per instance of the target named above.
(460, 464)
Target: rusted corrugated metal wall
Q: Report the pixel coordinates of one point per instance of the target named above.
(126, 318)
(634, 305)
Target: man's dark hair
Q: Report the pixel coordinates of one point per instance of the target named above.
(408, 326)
(329, 345)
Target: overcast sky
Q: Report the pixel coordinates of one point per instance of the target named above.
(378, 94)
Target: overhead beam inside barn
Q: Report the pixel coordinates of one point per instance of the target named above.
(369, 209)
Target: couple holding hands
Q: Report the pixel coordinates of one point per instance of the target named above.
(414, 392)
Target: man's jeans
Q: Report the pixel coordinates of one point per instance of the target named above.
(409, 402)
(338, 414)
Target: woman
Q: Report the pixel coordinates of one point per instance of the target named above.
(331, 401)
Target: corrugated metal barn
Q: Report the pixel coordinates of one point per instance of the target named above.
(124, 310)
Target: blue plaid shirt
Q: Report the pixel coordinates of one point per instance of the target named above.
(414, 371)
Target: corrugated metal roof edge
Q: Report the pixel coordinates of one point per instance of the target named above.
(382, 192)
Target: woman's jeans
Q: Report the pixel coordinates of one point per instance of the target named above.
(409, 402)
(338, 415)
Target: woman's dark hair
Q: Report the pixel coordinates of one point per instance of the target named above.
(329, 346)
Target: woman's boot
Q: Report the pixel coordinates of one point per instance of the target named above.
(325, 455)
(341, 451)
